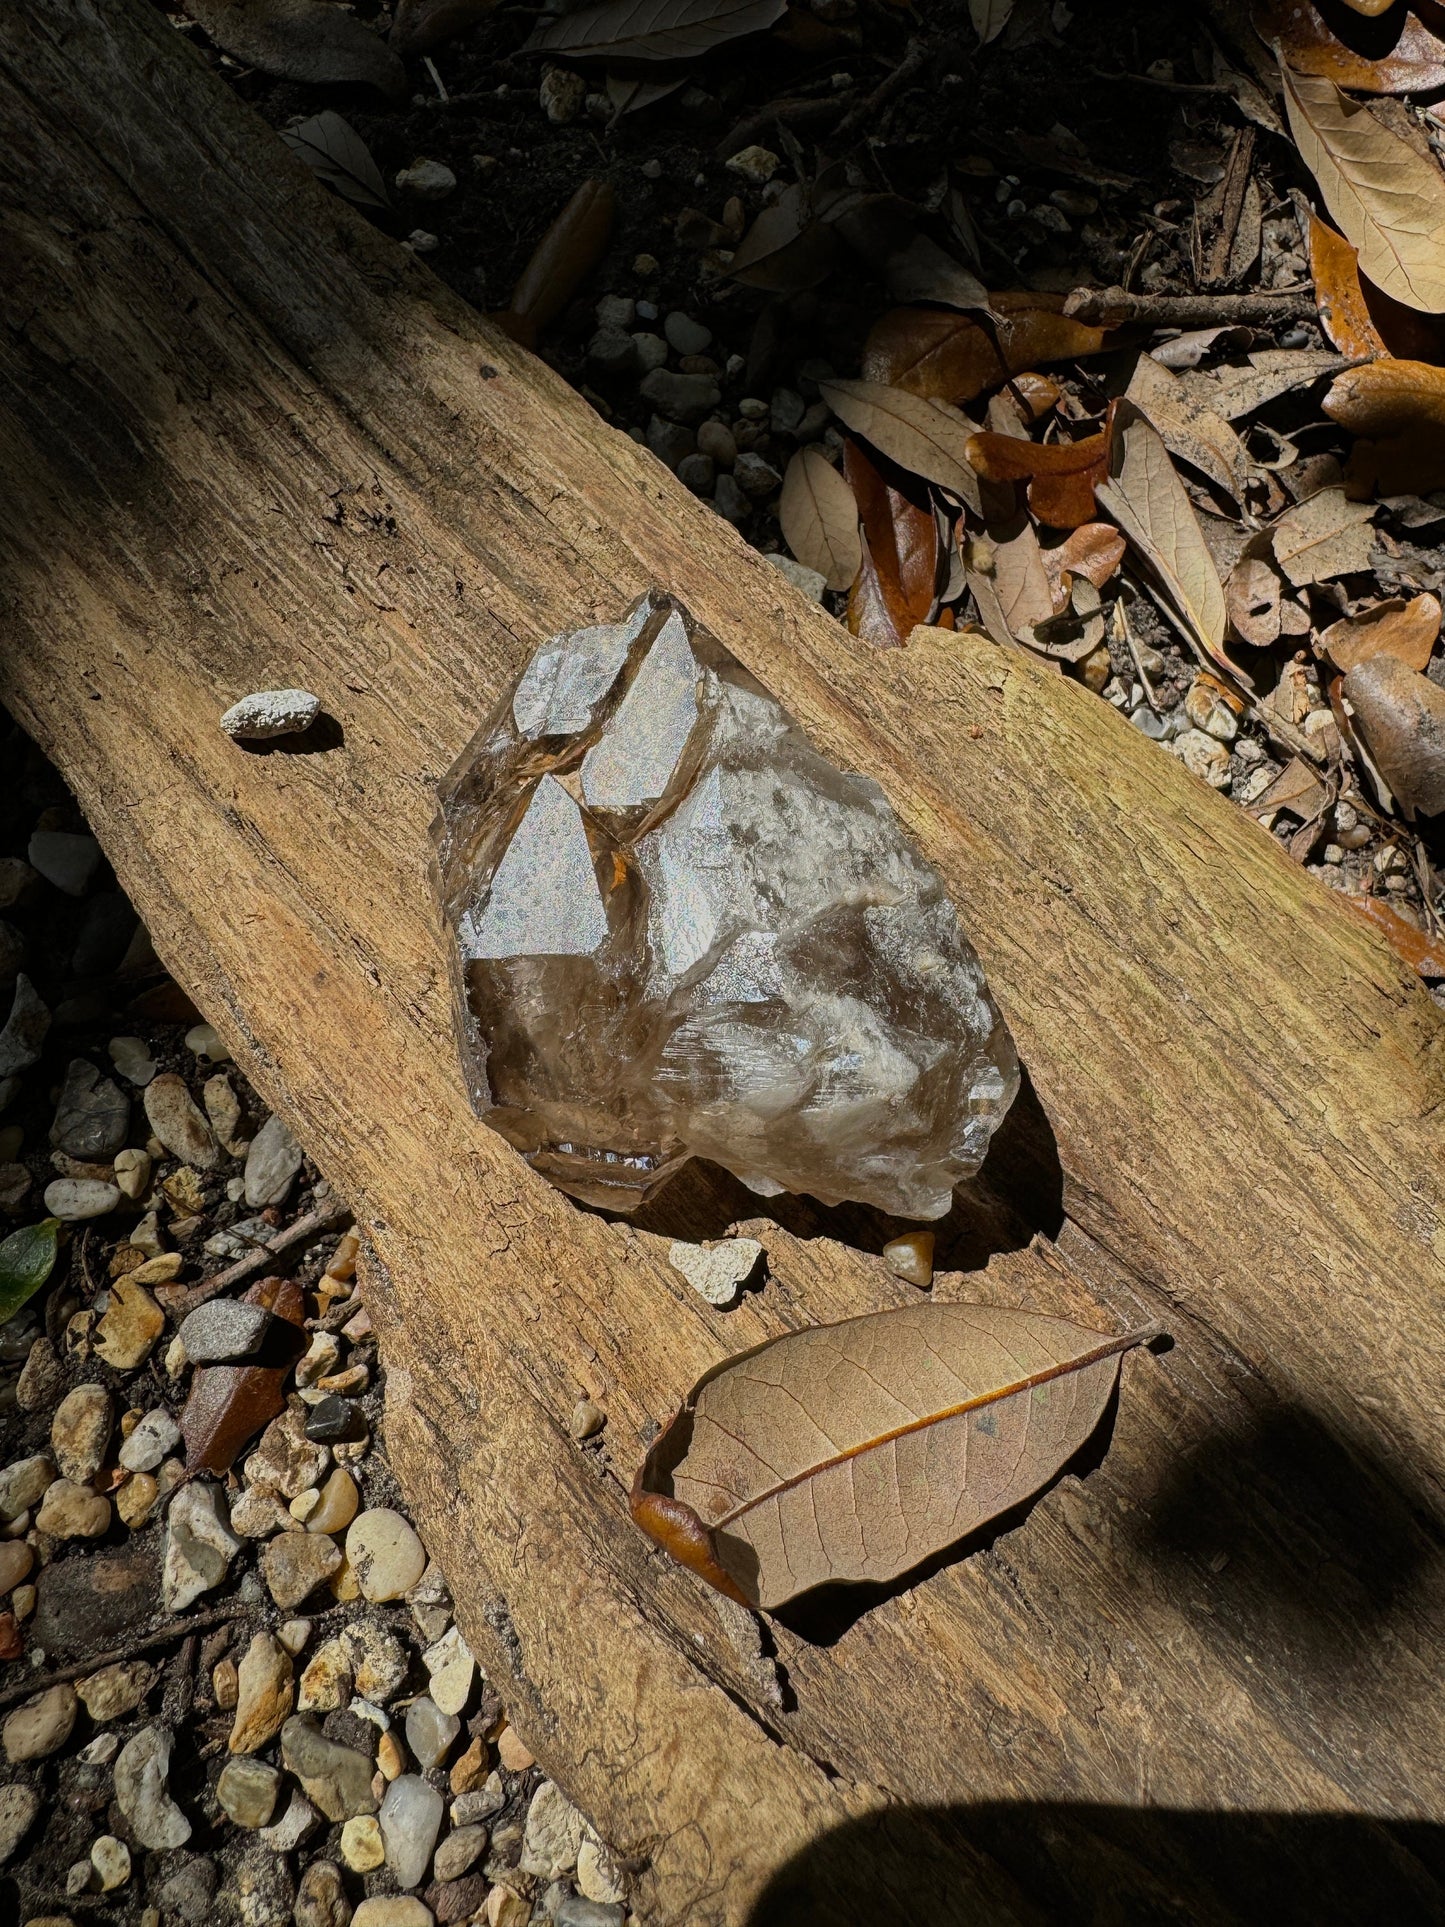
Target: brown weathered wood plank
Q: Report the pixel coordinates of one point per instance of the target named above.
(250, 442)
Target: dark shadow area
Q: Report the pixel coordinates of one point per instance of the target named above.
(1017, 1194)
(1299, 1541)
(324, 734)
(1005, 1864)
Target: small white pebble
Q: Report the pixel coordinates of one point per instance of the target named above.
(271, 712)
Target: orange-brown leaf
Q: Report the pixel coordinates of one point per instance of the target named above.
(1423, 953)
(952, 357)
(1397, 409)
(897, 579)
(1335, 269)
(1061, 476)
(851, 1452)
(1094, 550)
(1398, 55)
(1407, 630)
(563, 258)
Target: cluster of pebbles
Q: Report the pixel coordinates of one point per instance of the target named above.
(231, 1685)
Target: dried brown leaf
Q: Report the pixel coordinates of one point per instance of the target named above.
(1190, 428)
(1399, 56)
(1397, 408)
(819, 518)
(1423, 953)
(786, 249)
(1238, 388)
(1407, 630)
(1297, 789)
(308, 40)
(336, 154)
(418, 26)
(1253, 595)
(1094, 550)
(1387, 199)
(989, 18)
(653, 29)
(1335, 270)
(228, 1404)
(1148, 501)
(1322, 537)
(928, 438)
(851, 1452)
(950, 357)
(560, 262)
(1061, 476)
(1006, 575)
(896, 585)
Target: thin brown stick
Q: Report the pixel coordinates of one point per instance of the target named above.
(914, 57)
(1113, 307)
(163, 1635)
(179, 1299)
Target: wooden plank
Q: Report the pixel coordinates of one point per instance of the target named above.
(250, 442)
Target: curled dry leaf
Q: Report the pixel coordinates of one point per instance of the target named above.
(653, 29)
(786, 249)
(1297, 789)
(1238, 388)
(1335, 271)
(228, 1404)
(1399, 56)
(1397, 409)
(1405, 630)
(1094, 550)
(819, 518)
(928, 438)
(1386, 199)
(897, 582)
(1322, 537)
(418, 26)
(1401, 715)
(336, 154)
(309, 40)
(1040, 394)
(561, 261)
(1006, 576)
(950, 357)
(1414, 947)
(851, 1452)
(1254, 594)
(1061, 475)
(1148, 501)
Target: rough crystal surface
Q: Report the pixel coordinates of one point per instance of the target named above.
(676, 930)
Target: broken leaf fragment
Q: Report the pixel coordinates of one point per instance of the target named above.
(819, 518)
(851, 1452)
(896, 586)
(953, 358)
(1400, 628)
(1397, 409)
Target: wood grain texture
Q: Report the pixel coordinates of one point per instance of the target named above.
(249, 443)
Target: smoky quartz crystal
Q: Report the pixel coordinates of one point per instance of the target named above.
(677, 931)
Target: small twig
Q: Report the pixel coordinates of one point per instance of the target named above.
(179, 1299)
(914, 57)
(177, 1629)
(1113, 307)
(426, 61)
(806, 114)
(1169, 86)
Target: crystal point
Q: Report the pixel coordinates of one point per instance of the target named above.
(677, 930)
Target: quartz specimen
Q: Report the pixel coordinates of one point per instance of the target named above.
(677, 931)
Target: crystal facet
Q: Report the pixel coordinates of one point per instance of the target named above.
(678, 931)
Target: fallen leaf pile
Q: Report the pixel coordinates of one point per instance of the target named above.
(851, 1452)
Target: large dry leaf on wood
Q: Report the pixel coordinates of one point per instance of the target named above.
(989, 18)
(228, 1404)
(949, 357)
(1385, 198)
(1237, 388)
(1061, 476)
(851, 1452)
(310, 40)
(1191, 429)
(1423, 953)
(1407, 630)
(1399, 56)
(654, 29)
(1335, 271)
(928, 438)
(1322, 537)
(896, 587)
(819, 518)
(1148, 501)
(1397, 408)
(336, 154)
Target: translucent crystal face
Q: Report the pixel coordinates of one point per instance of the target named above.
(676, 930)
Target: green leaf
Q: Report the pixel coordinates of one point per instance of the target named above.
(27, 1258)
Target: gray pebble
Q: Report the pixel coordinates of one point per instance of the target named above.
(669, 441)
(647, 311)
(92, 1114)
(67, 860)
(809, 581)
(682, 398)
(787, 411)
(223, 1330)
(697, 472)
(612, 352)
(25, 1029)
(689, 337)
(651, 352)
(716, 439)
(269, 713)
(754, 476)
(729, 500)
(616, 311)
